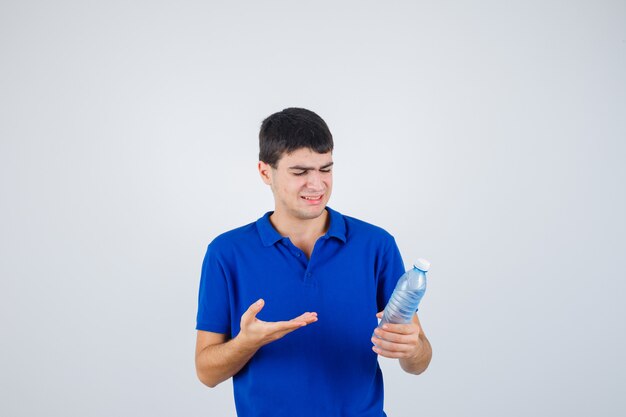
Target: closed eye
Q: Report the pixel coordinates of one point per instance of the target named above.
(298, 174)
(299, 170)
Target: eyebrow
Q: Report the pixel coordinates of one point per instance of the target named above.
(305, 168)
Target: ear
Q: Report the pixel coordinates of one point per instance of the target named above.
(264, 172)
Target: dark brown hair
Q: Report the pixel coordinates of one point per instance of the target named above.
(292, 129)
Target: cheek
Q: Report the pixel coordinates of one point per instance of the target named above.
(292, 187)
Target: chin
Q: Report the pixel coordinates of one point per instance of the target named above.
(312, 213)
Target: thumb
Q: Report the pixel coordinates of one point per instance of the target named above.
(379, 314)
(253, 310)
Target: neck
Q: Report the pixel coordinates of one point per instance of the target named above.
(298, 229)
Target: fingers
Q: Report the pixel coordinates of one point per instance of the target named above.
(249, 316)
(307, 318)
(408, 328)
(397, 340)
(392, 354)
(390, 348)
(300, 321)
(284, 327)
(276, 330)
(252, 311)
(394, 337)
(394, 345)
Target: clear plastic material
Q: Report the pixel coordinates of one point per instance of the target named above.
(407, 295)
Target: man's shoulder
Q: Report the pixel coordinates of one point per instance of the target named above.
(358, 227)
(236, 236)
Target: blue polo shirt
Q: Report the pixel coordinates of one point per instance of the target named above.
(327, 368)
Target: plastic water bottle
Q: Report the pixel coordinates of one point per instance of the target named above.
(407, 295)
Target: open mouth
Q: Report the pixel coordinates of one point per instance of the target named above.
(312, 198)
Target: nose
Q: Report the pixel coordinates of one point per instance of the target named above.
(314, 180)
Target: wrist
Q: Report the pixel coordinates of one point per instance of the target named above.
(245, 344)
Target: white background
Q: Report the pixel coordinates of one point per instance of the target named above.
(487, 136)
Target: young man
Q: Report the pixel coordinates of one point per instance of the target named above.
(288, 304)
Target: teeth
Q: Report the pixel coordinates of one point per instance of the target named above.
(312, 198)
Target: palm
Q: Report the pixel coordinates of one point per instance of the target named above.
(263, 332)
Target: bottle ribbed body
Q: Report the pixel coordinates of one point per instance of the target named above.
(405, 298)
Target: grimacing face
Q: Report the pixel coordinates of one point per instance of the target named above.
(301, 183)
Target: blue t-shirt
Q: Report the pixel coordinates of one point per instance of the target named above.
(327, 368)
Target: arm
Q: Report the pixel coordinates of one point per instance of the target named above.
(407, 342)
(217, 358)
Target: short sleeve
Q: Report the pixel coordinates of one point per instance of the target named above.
(213, 299)
(391, 269)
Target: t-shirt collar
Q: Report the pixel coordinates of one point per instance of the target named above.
(270, 236)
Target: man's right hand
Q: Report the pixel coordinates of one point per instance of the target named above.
(217, 358)
(255, 333)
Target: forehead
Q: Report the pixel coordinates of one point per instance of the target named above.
(305, 157)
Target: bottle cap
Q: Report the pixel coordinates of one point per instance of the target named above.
(422, 264)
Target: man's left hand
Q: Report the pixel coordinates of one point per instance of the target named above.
(401, 341)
